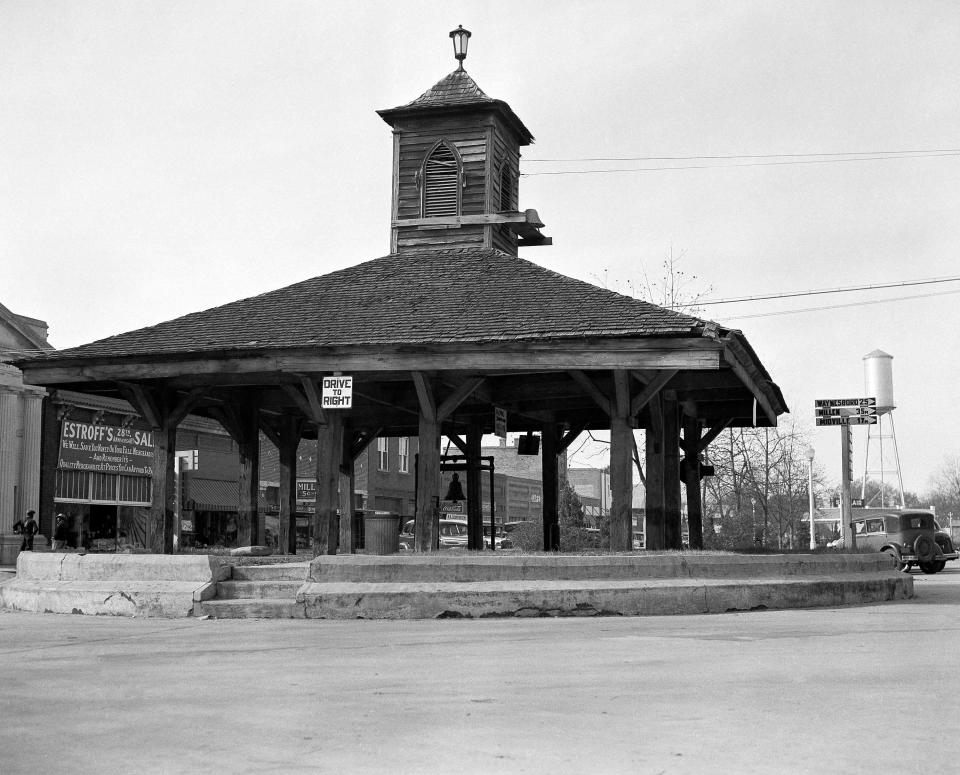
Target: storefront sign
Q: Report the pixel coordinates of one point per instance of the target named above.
(307, 493)
(108, 449)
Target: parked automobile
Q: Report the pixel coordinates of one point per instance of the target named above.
(500, 536)
(453, 534)
(910, 537)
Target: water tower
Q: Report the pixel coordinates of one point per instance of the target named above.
(882, 460)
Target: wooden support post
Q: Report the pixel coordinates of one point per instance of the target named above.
(249, 528)
(329, 456)
(291, 429)
(474, 487)
(654, 530)
(428, 469)
(160, 526)
(347, 499)
(691, 478)
(49, 455)
(550, 451)
(621, 466)
(164, 410)
(671, 472)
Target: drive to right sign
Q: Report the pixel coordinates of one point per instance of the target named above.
(846, 411)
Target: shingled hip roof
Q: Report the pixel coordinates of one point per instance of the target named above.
(453, 93)
(463, 295)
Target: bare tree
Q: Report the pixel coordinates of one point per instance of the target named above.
(758, 494)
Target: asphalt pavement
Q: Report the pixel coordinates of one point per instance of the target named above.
(868, 689)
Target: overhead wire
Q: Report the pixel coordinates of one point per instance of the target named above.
(823, 291)
(732, 166)
(823, 308)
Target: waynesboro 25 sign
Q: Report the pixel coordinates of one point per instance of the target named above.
(105, 448)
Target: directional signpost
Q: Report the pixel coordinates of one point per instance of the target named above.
(846, 412)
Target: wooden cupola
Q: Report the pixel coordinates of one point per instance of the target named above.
(456, 169)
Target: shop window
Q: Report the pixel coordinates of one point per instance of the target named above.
(403, 455)
(383, 457)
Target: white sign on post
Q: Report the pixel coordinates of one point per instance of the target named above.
(337, 393)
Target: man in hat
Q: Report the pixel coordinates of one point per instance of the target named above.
(61, 533)
(27, 528)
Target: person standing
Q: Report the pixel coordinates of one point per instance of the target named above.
(61, 533)
(27, 528)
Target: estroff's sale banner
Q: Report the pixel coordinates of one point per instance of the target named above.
(108, 449)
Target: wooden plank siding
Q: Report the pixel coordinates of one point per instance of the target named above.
(412, 152)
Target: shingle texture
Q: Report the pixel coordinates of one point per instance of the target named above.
(463, 295)
(458, 88)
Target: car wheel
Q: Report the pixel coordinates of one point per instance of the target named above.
(924, 548)
(930, 567)
(940, 565)
(896, 558)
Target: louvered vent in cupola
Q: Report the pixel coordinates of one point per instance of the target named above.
(441, 183)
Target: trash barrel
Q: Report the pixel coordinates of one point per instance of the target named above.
(381, 532)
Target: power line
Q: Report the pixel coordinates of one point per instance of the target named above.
(743, 156)
(820, 292)
(838, 306)
(731, 166)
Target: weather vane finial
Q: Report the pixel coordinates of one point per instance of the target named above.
(460, 38)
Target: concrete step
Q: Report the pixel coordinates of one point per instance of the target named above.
(516, 567)
(293, 571)
(638, 597)
(233, 590)
(251, 608)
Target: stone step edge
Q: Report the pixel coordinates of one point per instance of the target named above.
(508, 585)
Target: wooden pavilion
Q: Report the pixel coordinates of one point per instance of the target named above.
(448, 327)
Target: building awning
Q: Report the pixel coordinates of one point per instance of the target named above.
(210, 495)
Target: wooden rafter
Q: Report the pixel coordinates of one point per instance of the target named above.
(654, 386)
(457, 397)
(428, 405)
(592, 390)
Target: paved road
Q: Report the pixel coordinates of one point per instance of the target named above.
(870, 689)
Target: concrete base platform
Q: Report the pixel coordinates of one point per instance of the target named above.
(112, 584)
(421, 587)
(448, 585)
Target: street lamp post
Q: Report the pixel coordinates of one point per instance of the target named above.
(813, 529)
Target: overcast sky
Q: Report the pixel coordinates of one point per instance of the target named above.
(158, 158)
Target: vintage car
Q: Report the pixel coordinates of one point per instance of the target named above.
(910, 537)
(453, 535)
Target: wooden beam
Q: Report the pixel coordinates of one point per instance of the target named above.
(591, 390)
(457, 397)
(730, 356)
(653, 387)
(621, 484)
(362, 440)
(632, 353)
(185, 405)
(710, 435)
(459, 442)
(326, 531)
(671, 473)
(550, 475)
(428, 405)
(318, 415)
(691, 479)
(143, 401)
(621, 386)
(569, 437)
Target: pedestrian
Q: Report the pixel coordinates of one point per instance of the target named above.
(61, 533)
(27, 528)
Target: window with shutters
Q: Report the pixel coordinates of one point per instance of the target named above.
(441, 182)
